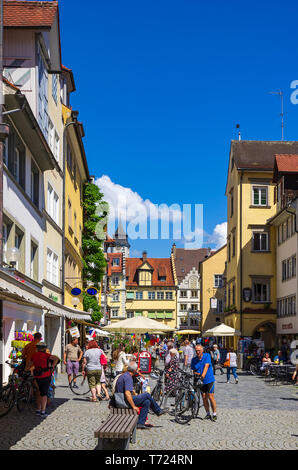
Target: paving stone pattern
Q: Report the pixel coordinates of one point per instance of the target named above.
(251, 415)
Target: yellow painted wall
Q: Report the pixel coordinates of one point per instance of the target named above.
(258, 264)
(215, 264)
(73, 225)
(145, 305)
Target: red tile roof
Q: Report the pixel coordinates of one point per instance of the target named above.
(160, 266)
(114, 269)
(287, 163)
(24, 14)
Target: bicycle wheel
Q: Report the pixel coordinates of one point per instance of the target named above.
(169, 400)
(157, 393)
(186, 406)
(25, 397)
(7, 399)
(253, 368)
(79, 385)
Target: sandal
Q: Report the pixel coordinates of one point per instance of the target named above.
(94, 400)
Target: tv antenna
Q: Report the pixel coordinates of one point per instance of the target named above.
(280, 93)
(239, 132)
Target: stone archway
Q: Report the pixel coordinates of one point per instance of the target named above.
(266, 331)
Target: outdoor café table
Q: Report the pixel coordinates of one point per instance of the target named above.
(279, 371)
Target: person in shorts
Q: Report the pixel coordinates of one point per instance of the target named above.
(93, 368)
(201, 364)
(43, 375)
(72, 356)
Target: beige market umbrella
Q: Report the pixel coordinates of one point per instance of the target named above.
(222, 330)
(138, 325)
(188, 332)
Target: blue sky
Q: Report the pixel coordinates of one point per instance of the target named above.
(161, 86)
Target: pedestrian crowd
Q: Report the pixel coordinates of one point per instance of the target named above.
(130, 386)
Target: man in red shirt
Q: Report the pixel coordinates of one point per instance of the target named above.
(42, 373)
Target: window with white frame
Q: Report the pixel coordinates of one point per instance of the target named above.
(139, 295)
(260, 241)
(169, 295)
(115, 312)
(183, 307)
(55, 87)
(218, 280)
(115, 296)
(51, 135)
(260, 196)
(151, 295)
(116, 262)
(53, 204)
(52, 267)
(160, 295)
(56, 146)
(183, 294)
(115, 280)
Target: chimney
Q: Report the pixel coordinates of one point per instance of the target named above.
(174, 250)
(144, 257)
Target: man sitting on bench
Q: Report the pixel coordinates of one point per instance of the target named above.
(144, 400)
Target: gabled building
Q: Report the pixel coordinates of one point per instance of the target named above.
(213, 288)
(117, 250)
(187, 272)
(251, 263)
(284, 223)
(36, 88)
(151, 289)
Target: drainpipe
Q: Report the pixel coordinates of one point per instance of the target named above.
(74, 122)
(241, 260)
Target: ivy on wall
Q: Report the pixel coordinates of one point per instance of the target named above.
(94, 264)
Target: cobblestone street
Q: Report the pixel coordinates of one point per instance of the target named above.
(251, 415)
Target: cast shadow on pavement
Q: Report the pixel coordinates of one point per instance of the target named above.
(15, 425)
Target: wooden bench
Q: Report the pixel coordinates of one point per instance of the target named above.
(118, 430)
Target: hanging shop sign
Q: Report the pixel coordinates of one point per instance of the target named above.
(91, 291)
(247, 293)
(74, 332)
(213, 302)
(76, 291)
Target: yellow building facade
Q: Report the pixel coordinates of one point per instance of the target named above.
(212, 276)
(151, 289)
(76, 175)
(251, 265)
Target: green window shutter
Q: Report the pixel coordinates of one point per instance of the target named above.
(151, 315)
(160, 315)
(139, 314)
(169, 315)
(130, 295)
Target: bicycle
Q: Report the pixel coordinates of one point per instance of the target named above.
(18, 391)
(188, 399)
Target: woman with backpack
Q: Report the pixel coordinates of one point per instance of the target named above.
(92, 364)
(43, 374)
(231, 364)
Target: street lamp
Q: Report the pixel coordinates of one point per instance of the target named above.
(75, 301)
(12, 256)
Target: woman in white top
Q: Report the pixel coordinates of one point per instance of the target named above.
(232, 357)
(121, 359)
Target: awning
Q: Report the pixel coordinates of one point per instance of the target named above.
(13, 291)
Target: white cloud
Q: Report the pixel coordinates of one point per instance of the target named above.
(128, 204)
(218, 236)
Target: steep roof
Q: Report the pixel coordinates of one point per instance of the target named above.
(185, 260)
(160, 266)
(286, 163)
(24, 14)
(260, 155)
